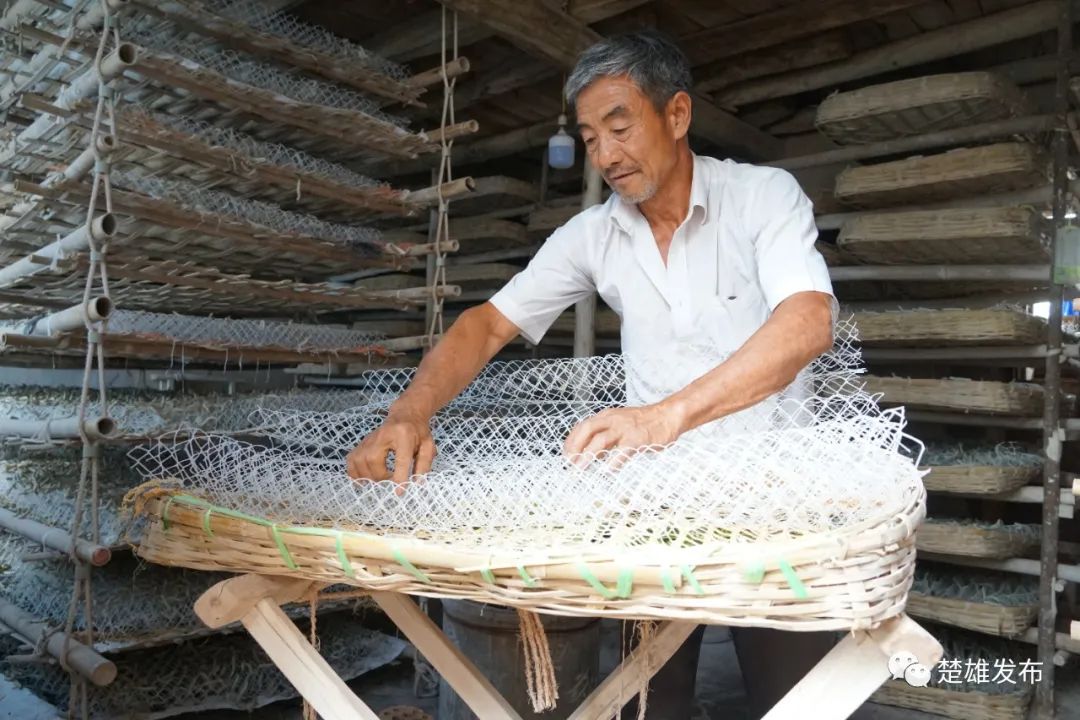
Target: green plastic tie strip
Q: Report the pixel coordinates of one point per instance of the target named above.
(688, 573)
(165, 513)
(206, 522)
(666, 581)
(413, 570)
(285, 554)
(587, 576)
(529, 582)
(489, 577)
(625, 584)
(346, 565)
(755, 572)
(793, 580)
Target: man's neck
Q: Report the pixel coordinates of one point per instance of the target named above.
(671, 203)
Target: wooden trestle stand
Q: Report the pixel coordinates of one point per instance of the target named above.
(835, 688)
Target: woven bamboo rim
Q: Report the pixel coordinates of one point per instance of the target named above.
(977, 236)
(836, 581)
(958, 173)
(978, 396)
(954, 703)
(919, 105)
(979, 479)
(1003, 620)
(954, 326)
(972, 540)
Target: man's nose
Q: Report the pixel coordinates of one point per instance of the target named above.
(607, 154)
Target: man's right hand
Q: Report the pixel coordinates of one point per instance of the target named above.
(408, 436)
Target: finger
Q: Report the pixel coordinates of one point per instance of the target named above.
(425, 456)
(599, 442)
(404, 452)
(579, 437)
(368, 462)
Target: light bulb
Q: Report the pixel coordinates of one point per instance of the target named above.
(561, 147)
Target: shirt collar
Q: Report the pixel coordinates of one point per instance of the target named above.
(624, 214)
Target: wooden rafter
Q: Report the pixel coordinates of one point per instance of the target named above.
(556, 36)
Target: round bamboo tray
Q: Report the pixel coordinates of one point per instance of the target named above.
(850, 579)
(954, 703)
(974, 236)
(979, 479)
(974, 540)
(949, 327)
(919, 105)
(959, 394)
(1002, 620)
(958, 173)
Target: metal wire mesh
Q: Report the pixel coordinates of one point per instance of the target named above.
(979, 586)
(145, 414)
(1002, 454)
(257, 15)
(238, 333)
(42, 486)
(243, 69)
(224, 672)
(259, 150)
(268, 215)
(788, 466)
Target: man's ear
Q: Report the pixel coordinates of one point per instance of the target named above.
(679, 111)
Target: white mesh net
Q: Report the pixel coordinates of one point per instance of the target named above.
(787, 467)
(259, 150)
(268, 215)
(256, 14)
(243, 69)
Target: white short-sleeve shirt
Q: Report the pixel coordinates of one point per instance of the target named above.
(746, 244)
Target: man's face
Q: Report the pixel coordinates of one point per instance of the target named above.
(627, 140)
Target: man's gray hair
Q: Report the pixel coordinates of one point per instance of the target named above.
(652, 62)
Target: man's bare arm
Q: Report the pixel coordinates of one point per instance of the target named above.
(798, 331)
(475, 337)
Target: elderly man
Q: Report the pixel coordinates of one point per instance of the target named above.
(687, 250)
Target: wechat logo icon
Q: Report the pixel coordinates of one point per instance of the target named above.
(905, 666)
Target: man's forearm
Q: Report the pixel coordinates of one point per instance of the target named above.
(799, 331)
(469, 344)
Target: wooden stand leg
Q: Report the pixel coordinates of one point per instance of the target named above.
(458, 671)
(255, 601)
(854, 669)
(625, 681)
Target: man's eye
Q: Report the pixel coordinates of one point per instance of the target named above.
(589, 142)
(621, 132)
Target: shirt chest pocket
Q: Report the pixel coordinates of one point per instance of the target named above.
(728, 320)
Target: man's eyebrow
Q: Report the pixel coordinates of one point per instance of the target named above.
(617, 111)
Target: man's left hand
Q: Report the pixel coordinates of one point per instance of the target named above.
(623, 428)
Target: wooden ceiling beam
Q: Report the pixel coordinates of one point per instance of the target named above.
(547, 32)
(946, 42)
(783, 25)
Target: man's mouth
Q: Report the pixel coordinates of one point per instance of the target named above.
(621, 176)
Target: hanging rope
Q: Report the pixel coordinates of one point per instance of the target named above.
(445, 175)
(100, 195)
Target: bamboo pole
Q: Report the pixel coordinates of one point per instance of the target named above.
(949, 41)
(454, 68)
(927, 141)
(585, 310)
(55, 539)
(1053, 436)
(82, 87)
(918, 273)
(448, 190)
(80, 658)
(1021, 566)
(95, 428)
(466, 127)
(101, 229)
(975, 352)
(73, 318)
